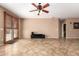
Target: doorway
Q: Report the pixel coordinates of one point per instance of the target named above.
(64, 30)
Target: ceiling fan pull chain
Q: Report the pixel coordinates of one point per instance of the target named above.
(38, 12)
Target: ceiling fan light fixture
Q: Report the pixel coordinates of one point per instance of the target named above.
(40, 8)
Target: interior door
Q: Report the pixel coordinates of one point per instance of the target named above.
(64, 30)
(9, 34)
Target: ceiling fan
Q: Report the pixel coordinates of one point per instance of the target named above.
(40, 8)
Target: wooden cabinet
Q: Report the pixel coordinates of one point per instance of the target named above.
(10, 27)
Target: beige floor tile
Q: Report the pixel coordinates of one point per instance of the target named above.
(41, 47)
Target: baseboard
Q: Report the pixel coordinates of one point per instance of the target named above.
(40, 38)
(72, 38)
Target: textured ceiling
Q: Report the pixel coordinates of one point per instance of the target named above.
(62, 10)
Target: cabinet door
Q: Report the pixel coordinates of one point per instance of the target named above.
(15, 27)
(15, 33)
(8, 21)
(8, 28)
(15, 23)
(9, 34)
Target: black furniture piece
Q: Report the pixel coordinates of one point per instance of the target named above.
(33, 35)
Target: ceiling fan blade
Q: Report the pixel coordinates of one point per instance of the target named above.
(34, 5)
(46, 5)
(45, 11)
(33, 10)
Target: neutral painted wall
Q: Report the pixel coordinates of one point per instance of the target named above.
(47, 26)
(1, 26)
(70, 31)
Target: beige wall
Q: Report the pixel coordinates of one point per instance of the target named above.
(49, 27)
(1, 26)
(70, 31)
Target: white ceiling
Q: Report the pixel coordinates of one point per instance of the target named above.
(61, 10)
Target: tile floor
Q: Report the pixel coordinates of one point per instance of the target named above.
(41, 47)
